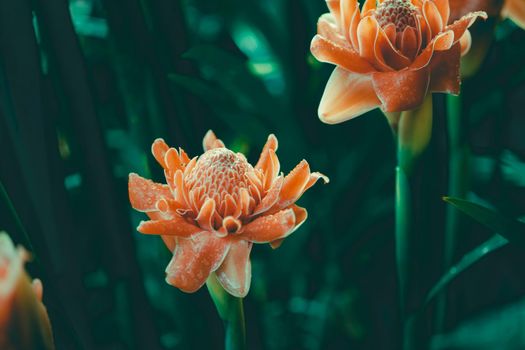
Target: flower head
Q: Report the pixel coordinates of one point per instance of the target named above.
(389, 54)
(214, 207)
(24, 323)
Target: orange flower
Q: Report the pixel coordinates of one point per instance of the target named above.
(24, 323)
(215, 206)
(388, 55)
(513, 9)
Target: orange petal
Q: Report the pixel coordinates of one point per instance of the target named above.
(294, 185)
(271, 144)
(369, 5)
(300, 216)
(461, 25)
(465, 43)
(335, 10)
(329, 52)
(515, 10)
(231, 224)
(211, 141)
(409, 42)
(314, 177)
(444, 10)
(348, 9)
(328, 28)
(433, 18)
(403, 90)
(206, 214)
(159, 149)
(194, 260)
(270, 198)
(441, 42)
(269, 227)
(235, 273)
(144, 194)
(170, 241)
(366, 37)
(177, 226)
(387, 55)
(353, 30)
(346, 96)
(444, 68)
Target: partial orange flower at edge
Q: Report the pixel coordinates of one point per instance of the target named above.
(389, 55)
(214, 207)
(24, 323)
(513, 9)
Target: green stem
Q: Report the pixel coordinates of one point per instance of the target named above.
(231, 311)
(457, 187)
(414, 133)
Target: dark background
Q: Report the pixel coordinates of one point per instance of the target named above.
(86, 86)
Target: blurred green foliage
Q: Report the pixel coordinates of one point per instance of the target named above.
(86, 87)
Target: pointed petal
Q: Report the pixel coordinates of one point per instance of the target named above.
(314, 177)
(444, 68)
(159, 149)
(271, 144)
(269, 227)
(347, 95)
(461, 25)
(235, 273)
(329, 52)
(294, 184)
(403, 90)
(432, 17)
(144, 194)
(177, 226)
(515, 10)
(369, 5)
(206, 214)
(211, 141)
(194, 260)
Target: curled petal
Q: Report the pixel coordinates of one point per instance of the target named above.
(328, 51)
(211, 141)
(465, 42)
(444, 68)
(515, 10)
(314, 177)
(269, 228)
(461, 25)
(206, 215)
(235, 273)
(347, 95)
(432, 18)
(231, 224)
(194, 260)
(159, 149)
(403, 90)
(172, 160)
(270, 198)
(144, 194)
(387, 55)
(441, 42)
(177, 226)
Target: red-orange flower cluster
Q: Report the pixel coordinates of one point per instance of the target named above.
(214, 207)
(389, 54)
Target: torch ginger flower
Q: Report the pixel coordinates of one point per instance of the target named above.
(214, 207)
(389, 54)
(24, 323)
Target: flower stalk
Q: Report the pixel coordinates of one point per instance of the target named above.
(413, 137)
(231, 311)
